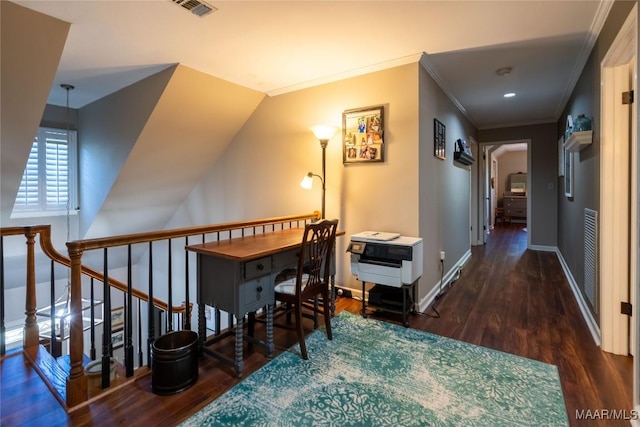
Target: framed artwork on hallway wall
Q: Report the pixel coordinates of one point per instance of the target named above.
(363, 135)
(439, 141)
(561, 156)
(568, 173)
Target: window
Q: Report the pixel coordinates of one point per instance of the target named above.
(49, 180)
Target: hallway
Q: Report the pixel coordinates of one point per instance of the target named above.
(519, 301)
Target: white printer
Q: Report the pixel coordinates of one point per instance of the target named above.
(386, 258)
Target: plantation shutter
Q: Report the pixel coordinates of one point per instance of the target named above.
(47, 181)
(56, 169)
(28, 194)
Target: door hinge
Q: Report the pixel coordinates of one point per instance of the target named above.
(626, 308)
(627, 97)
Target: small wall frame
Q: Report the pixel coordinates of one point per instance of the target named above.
(117, 318)
(117, 338)
(568, 174)
(439, 141)
(363, 135)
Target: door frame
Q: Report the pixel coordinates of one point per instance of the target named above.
(619, 231)
(483, 178)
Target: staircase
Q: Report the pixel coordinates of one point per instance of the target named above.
(145, 316)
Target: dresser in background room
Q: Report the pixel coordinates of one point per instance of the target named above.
(515, 207)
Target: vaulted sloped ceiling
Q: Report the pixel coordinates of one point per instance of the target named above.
(139, 164)
(31, 45)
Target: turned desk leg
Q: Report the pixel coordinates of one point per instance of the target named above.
(270, 346)
(239, 363)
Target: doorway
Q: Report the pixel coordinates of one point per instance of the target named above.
(504, 161)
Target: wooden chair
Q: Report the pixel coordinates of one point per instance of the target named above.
(311, 279)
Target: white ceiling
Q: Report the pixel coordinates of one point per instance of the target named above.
(279, 46)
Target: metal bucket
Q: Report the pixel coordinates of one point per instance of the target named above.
(93, 371)
(174, 362)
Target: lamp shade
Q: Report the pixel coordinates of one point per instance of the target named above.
(323, 132)
(307, 181)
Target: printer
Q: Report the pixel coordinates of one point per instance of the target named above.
(386, 258)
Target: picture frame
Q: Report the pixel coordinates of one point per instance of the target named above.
(117, 318)
(561, 156)
(439, 141)
(568, 173)
(363, 135)
(209, 318)
(117, 339)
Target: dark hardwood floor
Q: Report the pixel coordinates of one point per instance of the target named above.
(507, 298)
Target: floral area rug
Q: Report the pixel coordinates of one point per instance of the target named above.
(375, 373)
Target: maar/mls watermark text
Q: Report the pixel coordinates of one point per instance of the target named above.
(607, 414)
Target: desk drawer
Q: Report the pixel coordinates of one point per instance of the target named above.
(255, 294)
(284, 260)
(257, 268)
(517, 212)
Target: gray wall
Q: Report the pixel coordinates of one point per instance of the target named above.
(445, 185)
(585, 99)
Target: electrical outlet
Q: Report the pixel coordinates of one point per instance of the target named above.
(441, 255)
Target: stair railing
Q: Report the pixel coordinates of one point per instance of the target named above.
(76, 390)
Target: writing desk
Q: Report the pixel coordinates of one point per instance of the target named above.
(238, 276)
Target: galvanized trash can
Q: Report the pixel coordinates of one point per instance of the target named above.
(174, 362)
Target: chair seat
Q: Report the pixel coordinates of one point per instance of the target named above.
(289, 286)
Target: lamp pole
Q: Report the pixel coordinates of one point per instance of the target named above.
(323, 144)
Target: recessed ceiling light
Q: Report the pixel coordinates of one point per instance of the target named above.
(509, 95)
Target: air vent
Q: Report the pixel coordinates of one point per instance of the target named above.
(591, 288)
(196, 7)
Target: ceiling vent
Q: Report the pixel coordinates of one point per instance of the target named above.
(196, 7)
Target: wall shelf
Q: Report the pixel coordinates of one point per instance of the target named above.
(577, 141)
(462, 157)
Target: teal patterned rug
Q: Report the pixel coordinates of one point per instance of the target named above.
(375, 373)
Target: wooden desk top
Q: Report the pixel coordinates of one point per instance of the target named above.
(251, 247)
(255, 246)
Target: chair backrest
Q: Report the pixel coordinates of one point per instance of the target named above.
(314, 264)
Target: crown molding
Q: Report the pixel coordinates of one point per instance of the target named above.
(347, 74)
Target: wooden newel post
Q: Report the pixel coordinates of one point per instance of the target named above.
(31, 336)
(77, 381)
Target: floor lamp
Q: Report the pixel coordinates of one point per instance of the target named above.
(324, 134)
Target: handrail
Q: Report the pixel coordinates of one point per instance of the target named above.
(49, 250)
(129, 239)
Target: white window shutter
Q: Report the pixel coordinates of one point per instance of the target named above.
(48, 182)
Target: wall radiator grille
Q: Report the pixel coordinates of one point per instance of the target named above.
(591, 288)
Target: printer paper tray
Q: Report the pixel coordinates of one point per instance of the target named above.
(389, 276)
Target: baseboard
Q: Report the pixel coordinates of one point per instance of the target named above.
(543, 248)
(431, 295)
(344, 292)
(451, 273)
(582, 304)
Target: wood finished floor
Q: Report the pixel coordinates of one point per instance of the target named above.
(507, 298)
